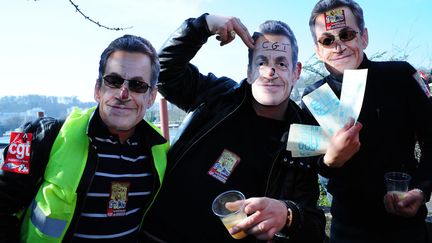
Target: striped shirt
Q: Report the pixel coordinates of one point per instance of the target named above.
(122, 169)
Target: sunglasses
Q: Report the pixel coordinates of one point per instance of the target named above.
(117, 82)
(344, 35)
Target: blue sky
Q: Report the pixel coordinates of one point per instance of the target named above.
(49, 49)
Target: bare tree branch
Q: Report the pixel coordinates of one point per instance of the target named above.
(96, 22)
(378, 55)
(315, 66)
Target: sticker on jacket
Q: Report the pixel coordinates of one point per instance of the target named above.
(118, 199)
(425, 88)
(18, 154)
(224, 166)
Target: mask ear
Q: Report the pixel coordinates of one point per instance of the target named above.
(152, 98)
(317, 52)
(365, 38)
(297, 72)
(97, 92)
(249, 75)
(299, 69)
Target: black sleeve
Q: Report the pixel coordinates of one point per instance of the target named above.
(421, 105)
(18, 190)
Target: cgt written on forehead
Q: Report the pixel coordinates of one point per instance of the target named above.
(274, 46)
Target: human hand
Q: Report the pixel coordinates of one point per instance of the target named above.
(226, 28)
(343, 145)
(267, 216)
(406, 205)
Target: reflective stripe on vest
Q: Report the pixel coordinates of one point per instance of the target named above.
(53, 208)
(48, 226)
(49, 216)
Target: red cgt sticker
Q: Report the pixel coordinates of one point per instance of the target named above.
(18, 154)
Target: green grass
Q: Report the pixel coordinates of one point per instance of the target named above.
(322, 200)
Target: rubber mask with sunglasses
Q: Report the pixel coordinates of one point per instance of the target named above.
(328, 40)
(117, 82)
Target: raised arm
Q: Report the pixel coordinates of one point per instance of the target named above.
(180, 82)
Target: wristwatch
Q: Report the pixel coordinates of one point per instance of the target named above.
(289, 217)
(283, 233)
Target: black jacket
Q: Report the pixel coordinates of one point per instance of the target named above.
(395, 114)
(210, 100)
(18, 190)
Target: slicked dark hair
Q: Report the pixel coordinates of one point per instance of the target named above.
(323, 6)
(131, 43)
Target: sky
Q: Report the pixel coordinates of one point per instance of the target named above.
(50, 49)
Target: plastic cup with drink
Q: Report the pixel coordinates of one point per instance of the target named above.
(397, 183)
(229, 207)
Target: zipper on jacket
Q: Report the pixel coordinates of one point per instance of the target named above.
(271, 171)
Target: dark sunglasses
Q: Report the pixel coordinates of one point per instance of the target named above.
(117, 82)
(344, 35)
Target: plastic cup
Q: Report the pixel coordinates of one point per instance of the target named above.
(233, 214)
(397, 183)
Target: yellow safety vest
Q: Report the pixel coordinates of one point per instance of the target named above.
(48, 217)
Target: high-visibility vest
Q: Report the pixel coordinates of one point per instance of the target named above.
(48, 217)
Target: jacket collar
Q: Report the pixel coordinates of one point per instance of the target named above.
(335, 81)
(144, 133)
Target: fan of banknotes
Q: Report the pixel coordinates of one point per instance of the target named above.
(330, 112)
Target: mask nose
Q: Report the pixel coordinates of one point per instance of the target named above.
(268, 71)
(338, 45)
(124, 91)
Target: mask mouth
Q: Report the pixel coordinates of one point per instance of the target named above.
(267, 80)
(341, 56)
(119, 104)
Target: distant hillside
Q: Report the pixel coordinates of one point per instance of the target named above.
(51, 105)
(17, 110)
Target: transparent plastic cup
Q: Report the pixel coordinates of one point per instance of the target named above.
(233, 214)
(397, 183)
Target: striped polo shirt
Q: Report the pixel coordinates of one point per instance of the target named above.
(120, 189)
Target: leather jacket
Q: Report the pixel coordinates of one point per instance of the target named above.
(395, 114)
(210, 100)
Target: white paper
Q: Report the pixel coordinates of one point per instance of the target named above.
(330, 113)
(324, 106)
(306, 141)
(352, 94)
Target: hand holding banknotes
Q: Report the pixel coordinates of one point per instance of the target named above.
(343, 145)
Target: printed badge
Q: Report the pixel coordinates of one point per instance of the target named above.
(224, 166)
(118, 199)
(18, 154)
(334, 19)
(418, 77)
